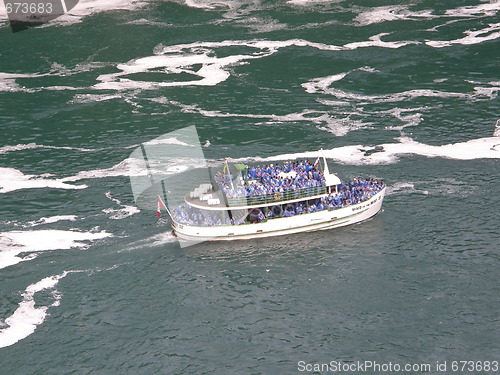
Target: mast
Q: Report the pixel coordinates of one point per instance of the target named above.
(330, 178)
(326, 171)
(226, 167)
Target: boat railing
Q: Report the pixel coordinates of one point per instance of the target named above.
(276, 197)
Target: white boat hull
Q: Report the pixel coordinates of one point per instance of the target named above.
(321, 220)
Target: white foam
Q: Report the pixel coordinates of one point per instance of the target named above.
(488, 92)
(389, 153)
(54, 219)
(376, 41)
(60, 70)
(144, 21)
(342, 126)
(185, 58)
(167, 141)
(440, 186)
(173, 61)
(312, 3)
(322, 85)
(27, 316)
(474, 149)
(368, 16)
(496, 132)
(50, 220)
(481, 10)
(155, 240)
(400, 187)
(108, 195)
(491, 32)
(121, 213)
(162, 238)
(390, 13)
(31, 146)
(180, 59)
(323, 119)
(128, 167)
(88, 98)
(260, 25)
(14, 243)
(215, 4)
(132, 167)
(333, 103)
(230, 9)
(409, 117)
(12, 179)
(8, 82)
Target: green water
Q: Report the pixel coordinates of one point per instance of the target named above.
(417, 284)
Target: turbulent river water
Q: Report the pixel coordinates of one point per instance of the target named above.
(90, 283)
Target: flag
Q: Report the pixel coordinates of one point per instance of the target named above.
(160, 204)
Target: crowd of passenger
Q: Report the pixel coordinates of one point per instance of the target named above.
(354, 192)
(194, 216)
(272, 179)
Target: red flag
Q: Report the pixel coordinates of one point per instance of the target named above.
(159, 207)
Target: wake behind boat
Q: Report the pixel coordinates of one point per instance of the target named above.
(245, 202)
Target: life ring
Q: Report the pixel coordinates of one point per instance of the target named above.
(277, 211)
(254, 216)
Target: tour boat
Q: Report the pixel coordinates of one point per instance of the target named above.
(243, 202)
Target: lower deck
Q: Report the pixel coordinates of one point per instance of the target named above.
(320, 220)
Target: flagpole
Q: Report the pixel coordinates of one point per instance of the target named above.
(166, 208)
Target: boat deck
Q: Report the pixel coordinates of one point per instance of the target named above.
(214, 200)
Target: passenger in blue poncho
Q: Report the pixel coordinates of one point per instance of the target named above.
(300, 209)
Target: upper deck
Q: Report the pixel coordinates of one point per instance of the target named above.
(263, 186)
(216, 201)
